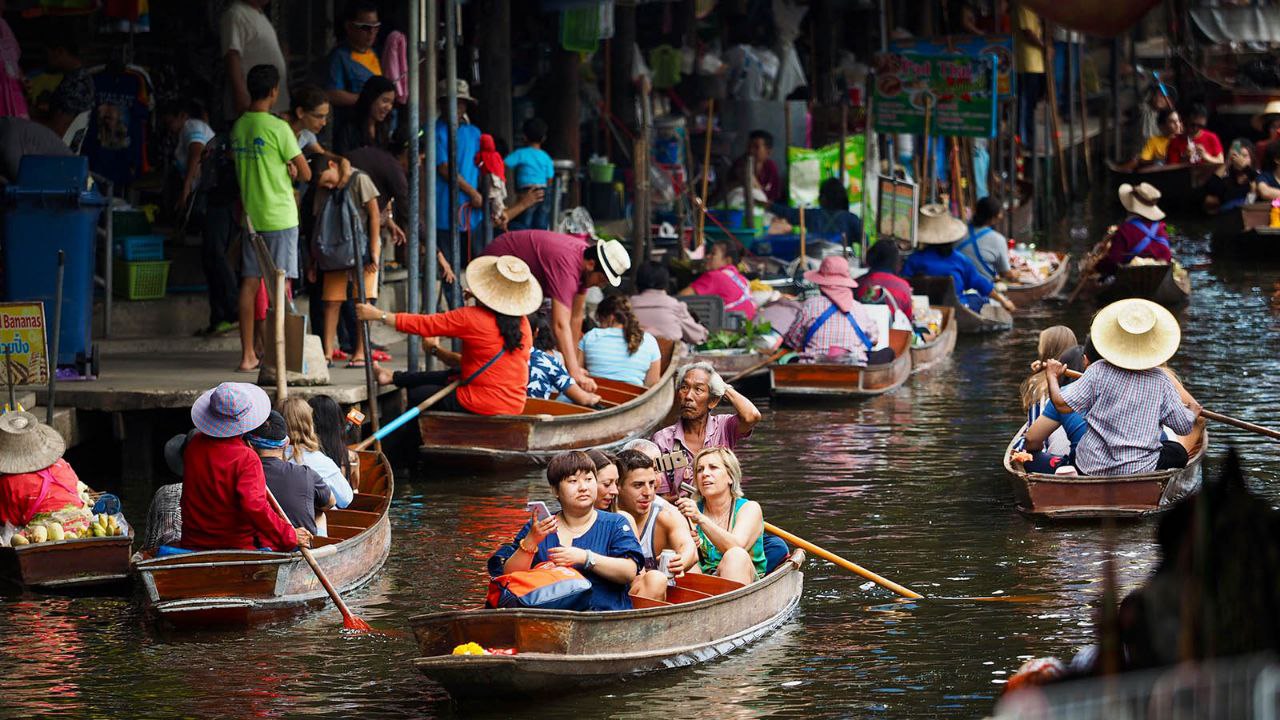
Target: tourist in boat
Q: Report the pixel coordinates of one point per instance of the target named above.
(699, 390)
(606, 481)
(495, 335)
(1052, 438)
(331, 428)
(1155, 150)
(659, 313)
(304, 449)
(548, 377)
(565, 267)
(36, 483)
(1196, 144)
(1053, 342)
(883, 282)
(1125, 397)
(723, 278)
(598, 543)
(618, 348)
(164, 517)
(831, 217)
(1141, 234)
(937, 232)
(1268, 185)
(985, 246)
(299, 490)
(1231, 189)
(659, 526)
(224, 491)
(833, 326)
(730, 527)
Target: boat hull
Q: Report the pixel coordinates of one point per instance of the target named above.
(941, 291)
(561, 651)
(836, 381)
(1024, 295)
(68, 565)
(940, 348)
(1157, 283)
(1246, 232)
(1180, 186)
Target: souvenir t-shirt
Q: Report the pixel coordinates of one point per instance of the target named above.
(1179, 149)
(547, 375)
(605, 351)
(116, 141)
(193, 131)
(349, 70)
(528, 167)
(1155, 149)
(264, 145)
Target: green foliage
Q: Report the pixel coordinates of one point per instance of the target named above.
(744, 338)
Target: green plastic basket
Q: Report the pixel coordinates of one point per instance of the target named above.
(141, 280)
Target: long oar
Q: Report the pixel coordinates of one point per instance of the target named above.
(757, 366)
(1095, 257)
(349, 620)
(408, 415)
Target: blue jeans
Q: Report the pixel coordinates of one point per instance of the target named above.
(537, 217)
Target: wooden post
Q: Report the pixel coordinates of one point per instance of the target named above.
(706, 168)
(748, 193)
(1069, 67)
(1052, 109)
(1084, 117)
(495, 61)
(282, 384)
(804, 264)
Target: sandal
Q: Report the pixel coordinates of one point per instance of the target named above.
(380, 355)
(356, 364)
(339, 355)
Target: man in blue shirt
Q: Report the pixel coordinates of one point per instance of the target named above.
(469, 221)
(530, 168)
(353, 62)
(938, 232)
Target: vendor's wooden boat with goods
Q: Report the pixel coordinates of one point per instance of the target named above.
(931, 353)
(1164, 283)
(1025, 294)
(219, 588)
(1080, 496)
(72, 564)
(941, 291)
(1246, 232)
(548, 427)
(1180, 185)
(553, 651)
(731, 362)
(834, 380)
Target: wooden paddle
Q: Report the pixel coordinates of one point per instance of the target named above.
(1095, 256)
(349, 621)
(757, 366)
(405, 417)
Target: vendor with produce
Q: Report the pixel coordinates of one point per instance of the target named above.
(39, 492)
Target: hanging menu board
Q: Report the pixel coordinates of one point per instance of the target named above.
(959, 92)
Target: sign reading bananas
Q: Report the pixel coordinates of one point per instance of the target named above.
(23, 341)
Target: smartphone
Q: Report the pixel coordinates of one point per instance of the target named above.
(538, 507)
(673, 460)
(687, 488)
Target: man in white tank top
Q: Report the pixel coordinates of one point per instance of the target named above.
(658, 525)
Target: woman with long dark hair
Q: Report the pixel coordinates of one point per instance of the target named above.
(330, 429)
(619, 349)
(372, 119)
(495, 334)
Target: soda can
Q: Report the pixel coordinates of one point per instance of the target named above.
(664, 560)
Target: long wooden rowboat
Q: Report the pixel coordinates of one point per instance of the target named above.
(1030, 293)
(1079, 496)
(942, 291)
(557, 650)
(940, 347)
(74, 565)
(834, 380)
(730, 363)
(1156, 282)
(1246, 232)
(548, 427)
(220, 588)
(1179, 185)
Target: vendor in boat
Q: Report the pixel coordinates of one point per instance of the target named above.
(730, 527)
(658, 312)
(606, 481)
(833, 327)
(598, 543)
(883, 280)
(1231, 189)
(658, 525)
(723, 278)
(831, 217)
(224, 492)
(938, 232)
(1141, 234)
(548, 377)
(36, 484)
(699, 390)
(618, 348)
(496, 340)
(1197, 144)
(565, 267)
(299, 490)
(985, 246)
(1126, 397)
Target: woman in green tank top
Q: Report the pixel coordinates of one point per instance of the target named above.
(730, 527)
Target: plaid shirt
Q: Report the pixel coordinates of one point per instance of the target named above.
(1124, 409)
(836, 340)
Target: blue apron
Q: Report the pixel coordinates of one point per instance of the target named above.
(972, 241)
(1149, 236)
(824, 317)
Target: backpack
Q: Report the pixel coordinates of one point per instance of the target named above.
(545, 585)
(338, 225)
(218, 171)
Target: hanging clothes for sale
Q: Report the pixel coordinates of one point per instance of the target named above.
(12, 101)
(395, 64)
(117, 137)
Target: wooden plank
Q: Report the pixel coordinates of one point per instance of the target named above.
(464, 431)
(538, 406)
(351, 518)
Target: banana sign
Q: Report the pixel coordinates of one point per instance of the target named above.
(24, 354)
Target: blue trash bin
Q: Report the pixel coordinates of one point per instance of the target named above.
(47, 210)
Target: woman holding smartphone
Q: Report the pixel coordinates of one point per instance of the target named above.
(598, 543)
(730, 527)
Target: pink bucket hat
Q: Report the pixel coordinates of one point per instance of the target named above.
(231, 409)
(832, 278)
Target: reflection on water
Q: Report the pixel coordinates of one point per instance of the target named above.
(908, 485)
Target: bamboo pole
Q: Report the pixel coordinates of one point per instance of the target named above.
(1052, 109)
(706, 167)
(282, 384)
(1084, 119)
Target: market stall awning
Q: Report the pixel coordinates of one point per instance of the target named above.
(1238, 24)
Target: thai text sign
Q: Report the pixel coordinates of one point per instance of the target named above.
(959, 92)
(22, 337)
(969, 45)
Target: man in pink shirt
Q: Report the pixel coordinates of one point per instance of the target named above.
(722, 278)
(566, 266)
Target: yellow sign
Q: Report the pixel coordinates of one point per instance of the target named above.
(22, 338)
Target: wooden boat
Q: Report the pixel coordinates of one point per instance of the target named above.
(73, 565)
(834, 380)
(1157, 282)
(558, 650)
(940, 347)
(548, 427)
(1028, 294)
(243, 587)
(730, 363)
(1072, 497)
(1179, 185)
(942, 291)
(1246, 232)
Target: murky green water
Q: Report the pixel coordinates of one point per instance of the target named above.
(909, 485)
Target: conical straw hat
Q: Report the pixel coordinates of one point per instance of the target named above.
(1135, 334)
(939, 227)
(26, 444)
(504, 284)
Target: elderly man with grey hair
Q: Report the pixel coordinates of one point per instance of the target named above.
(699, 389)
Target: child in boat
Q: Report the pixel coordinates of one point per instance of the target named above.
(1052, 438)
(1142, 234)
(548, 377)
(658, 524)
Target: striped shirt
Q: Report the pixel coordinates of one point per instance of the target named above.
(606, 356)
(1124, 409)
(835, 340)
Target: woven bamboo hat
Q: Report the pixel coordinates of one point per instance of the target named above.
(1135, 334)
(26, 444)
(1141, 200)
(504, 284)
(1269, 112)
(939, 227)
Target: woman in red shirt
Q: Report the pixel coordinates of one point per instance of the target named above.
(883, 281)
(495, 334)
(1197, 145)
(34, 479)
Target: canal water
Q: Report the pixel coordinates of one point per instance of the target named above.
(909, 485)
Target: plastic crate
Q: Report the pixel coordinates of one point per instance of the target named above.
(141, 280)
(140, 248)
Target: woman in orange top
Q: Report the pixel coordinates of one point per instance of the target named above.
(34, 479)
(495, 335)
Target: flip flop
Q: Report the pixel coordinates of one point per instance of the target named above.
(356, 364)
(253, 369)
(380, 355)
